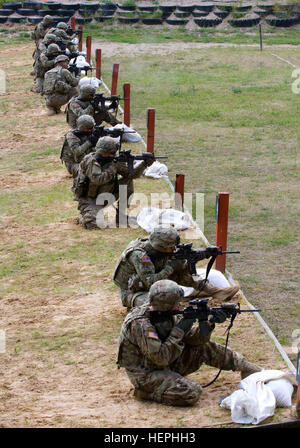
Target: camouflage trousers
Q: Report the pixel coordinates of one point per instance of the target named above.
(56, 100)
(72, 168)
(169, 386)
(90, 217)
(131, 299)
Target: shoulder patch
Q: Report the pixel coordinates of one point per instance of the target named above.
(146, 259)
(152, 335)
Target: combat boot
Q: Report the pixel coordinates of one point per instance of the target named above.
(245, 367)
(248, 368)
(50, 111)
(219, 294)
(142, 395)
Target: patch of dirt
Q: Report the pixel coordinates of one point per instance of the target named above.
(59, 366)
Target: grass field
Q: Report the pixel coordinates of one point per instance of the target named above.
(227, 118)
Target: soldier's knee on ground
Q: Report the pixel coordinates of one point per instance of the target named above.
(182, 392)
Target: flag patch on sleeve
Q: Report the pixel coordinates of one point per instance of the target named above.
(145, 259)
(152, 335)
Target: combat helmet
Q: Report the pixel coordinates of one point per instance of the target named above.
(164, 294)
(106, 145)
(47, 19)
(62, 26)
(162, 238)
(87, 91)
(61, 58)
(53, 48)
(85, 122)
(50, 37)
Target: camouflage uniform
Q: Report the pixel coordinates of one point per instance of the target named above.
(59, 86)
(77, 146)
(60, 32)
(158, 356)
(82, 104)
(45, 62)
(41, 29)
(142, 264)
(101, 178)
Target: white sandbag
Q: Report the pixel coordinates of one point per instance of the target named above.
(151, 217)
(281, 384)
(132, 137)
(255, 400)
(283, 391)
(216, 278)
(90, 80)
(156, 170)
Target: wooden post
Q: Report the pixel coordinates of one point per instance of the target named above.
(179, 191)
(88, 48)
(126, 96)
(150, 129)
(222, 208)
(260, 37)
(98, 63)
(80, 38)
(114, 81)
(73, 24)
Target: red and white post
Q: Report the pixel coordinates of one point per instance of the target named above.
(222, 228)
(73, 23)
(126, 96)
(80, 38)
(114, 81)
(179, 191)
(88, 49)
(98, 63)
(150, 130)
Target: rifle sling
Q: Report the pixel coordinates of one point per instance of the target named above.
(208, 268)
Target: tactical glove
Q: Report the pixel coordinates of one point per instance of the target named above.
(148, 158)
(211, 251)
(93, 139)
(175, 263)
(218, 317)
(185, 324)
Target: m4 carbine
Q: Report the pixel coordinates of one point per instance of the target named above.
(199, 309)
(99, 98)
(192, 256)
(128, 158)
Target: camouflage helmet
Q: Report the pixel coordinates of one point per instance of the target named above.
(162, 238)
(50, 37)
(62, 26)
(47, 19)
(164, 294)
(87, 90)
(60, 33)
(61, 58)
(53, 48)
(84, 122)
(106, 145)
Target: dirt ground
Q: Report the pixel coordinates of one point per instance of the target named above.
(61, 314)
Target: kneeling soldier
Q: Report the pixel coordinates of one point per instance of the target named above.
(158, 354)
